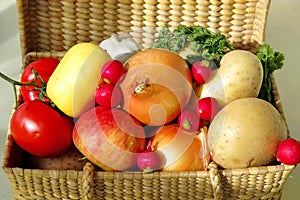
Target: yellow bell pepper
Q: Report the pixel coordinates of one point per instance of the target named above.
(72, 85)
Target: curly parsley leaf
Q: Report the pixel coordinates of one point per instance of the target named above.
(271, 60)
(173, 41)
(204, 43)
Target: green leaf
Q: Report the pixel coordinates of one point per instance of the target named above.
(204, 43)
(271, 60)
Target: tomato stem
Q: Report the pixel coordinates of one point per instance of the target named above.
(14, 82)
(41, 88)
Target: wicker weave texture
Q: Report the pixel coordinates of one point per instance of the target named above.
(56, 25)
(250, 183)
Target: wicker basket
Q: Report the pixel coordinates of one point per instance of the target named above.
(49, 28)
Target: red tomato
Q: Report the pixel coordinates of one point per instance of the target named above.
(44, 67)
(41, 130)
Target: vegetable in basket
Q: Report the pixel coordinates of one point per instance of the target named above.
(158, 84)
(33, 81)
(288, 151)
(39, 72)
(181, 150)
(246, 133)
(271, 61)
(193, 42)
(240, 75)
(108, 93)
(149, 160)
(41, 130)
(72, 85)
(196, 43)
(37, 125)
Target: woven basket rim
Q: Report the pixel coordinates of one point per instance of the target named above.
(237, 171)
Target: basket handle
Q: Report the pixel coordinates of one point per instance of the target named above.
(87, 181)
(215, 180)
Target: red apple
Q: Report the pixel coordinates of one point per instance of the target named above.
(110, 138)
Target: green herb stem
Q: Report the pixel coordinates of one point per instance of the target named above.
(271, 61)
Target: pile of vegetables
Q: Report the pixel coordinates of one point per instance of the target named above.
(188, 100)
(210, 46)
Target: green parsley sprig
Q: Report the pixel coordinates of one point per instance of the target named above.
(203, 43)
(271, 60)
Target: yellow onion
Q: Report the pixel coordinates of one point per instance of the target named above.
(181, 150)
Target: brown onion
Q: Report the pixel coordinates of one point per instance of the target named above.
(182, 150)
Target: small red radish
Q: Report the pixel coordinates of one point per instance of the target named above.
(201, 71)
(108, 95)
(189, 120)
(149, 160)
(112, 71)
(207, 108)
(288, 152)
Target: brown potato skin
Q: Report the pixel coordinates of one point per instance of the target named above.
(240, 75)
(246, 133)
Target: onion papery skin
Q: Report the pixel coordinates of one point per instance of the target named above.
(181, 150)
(157, 80)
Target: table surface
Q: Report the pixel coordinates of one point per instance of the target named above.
(282, 33)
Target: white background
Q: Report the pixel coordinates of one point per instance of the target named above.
(283, 33)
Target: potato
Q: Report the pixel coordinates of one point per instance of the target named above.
(246, 133)
(240, 75)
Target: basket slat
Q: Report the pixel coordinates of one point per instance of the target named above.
(49, 28)
(59, 24)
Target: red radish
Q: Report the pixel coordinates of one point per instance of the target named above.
(108, 95)
(201, 71)
(189, 120)
(112, 71)
(207, 108)
(149, 160)
(288, 152)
